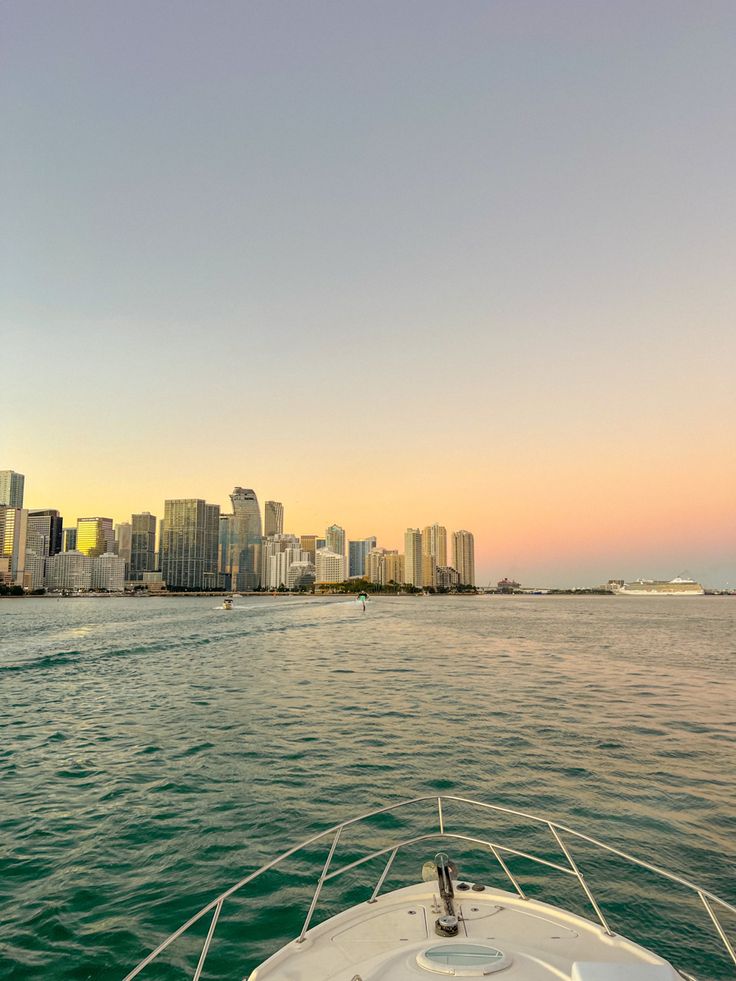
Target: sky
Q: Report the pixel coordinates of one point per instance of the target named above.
(390, 263)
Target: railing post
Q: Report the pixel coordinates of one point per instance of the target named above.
(507, 870)
(318, 890)
(580, 879)
(439, 812)
(719, 928)
(208, 941)
(380, 882)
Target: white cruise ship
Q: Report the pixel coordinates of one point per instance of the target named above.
(654, 587)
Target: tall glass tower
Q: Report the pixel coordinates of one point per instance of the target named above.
(245, 539)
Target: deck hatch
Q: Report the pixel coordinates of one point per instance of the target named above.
(462, 960)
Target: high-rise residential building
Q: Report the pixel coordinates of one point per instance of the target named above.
(142, 545)
(13, 531)
(243, 562)
(95, 536)
(11, 488)
(189, 544)
(124, 543)
(309, 545)
(357, 555)
(463, 557)
(301, 575)
(384, 566)
(48, 526)
(447, 577)
(413, 568)
(434, 553)
(278, 553)
(434, 543)
(330, 566)
(392, 569)
(70, 540)
(273, 518)
(373, 563)
(69, 570)
(34, 574)
(335, 539)
(224, 551)
(108, 572)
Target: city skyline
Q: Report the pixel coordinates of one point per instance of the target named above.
(485, 575)
(489, 281)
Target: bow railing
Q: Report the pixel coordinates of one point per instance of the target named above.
(560, 835)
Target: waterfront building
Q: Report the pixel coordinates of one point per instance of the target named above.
(392, 568)
(429, 571)
(301, 575)
(434, 543)
(273, 518)
(335, 539)
(11, 488)
(309, 545)
(224, 551)
(463, 556)
(243, 562)
(69, 571)
(46, 529)
(142, 545)
(34, 572)
(434, 553)
(124, 543)
(13, 532)
(95, 536)
(189, 544)
(447, 577)
(330, 566)
(279, 551)
(70, 540)
(108, 572)
(357, 555)
(413, 567)
(373, 564)
(154, 582)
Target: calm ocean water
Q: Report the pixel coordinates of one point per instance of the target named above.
(152, 751)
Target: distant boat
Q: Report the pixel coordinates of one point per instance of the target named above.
(227, 604)
(655, 587)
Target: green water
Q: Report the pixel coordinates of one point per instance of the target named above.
(155, 750)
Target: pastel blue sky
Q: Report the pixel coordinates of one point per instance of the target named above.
(482, 251)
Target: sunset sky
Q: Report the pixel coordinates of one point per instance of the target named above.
(390, 263)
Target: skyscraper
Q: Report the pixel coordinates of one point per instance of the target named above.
(273, 513)
(13, 530)
(70, 540)
(189, 544)
(124, 544)
(330, 566)
(434, 552)
(95, 536)
(413, 557)
(335, 539)
(245, 539)
(142, 545)
(48, 526)
(69, 570)
(463, 557)
(357, 555)
(309, 545)
(434, 543)
(11, 488)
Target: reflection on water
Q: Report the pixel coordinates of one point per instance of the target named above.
(154, 749)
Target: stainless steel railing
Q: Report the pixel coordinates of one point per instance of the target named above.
(708, 899)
